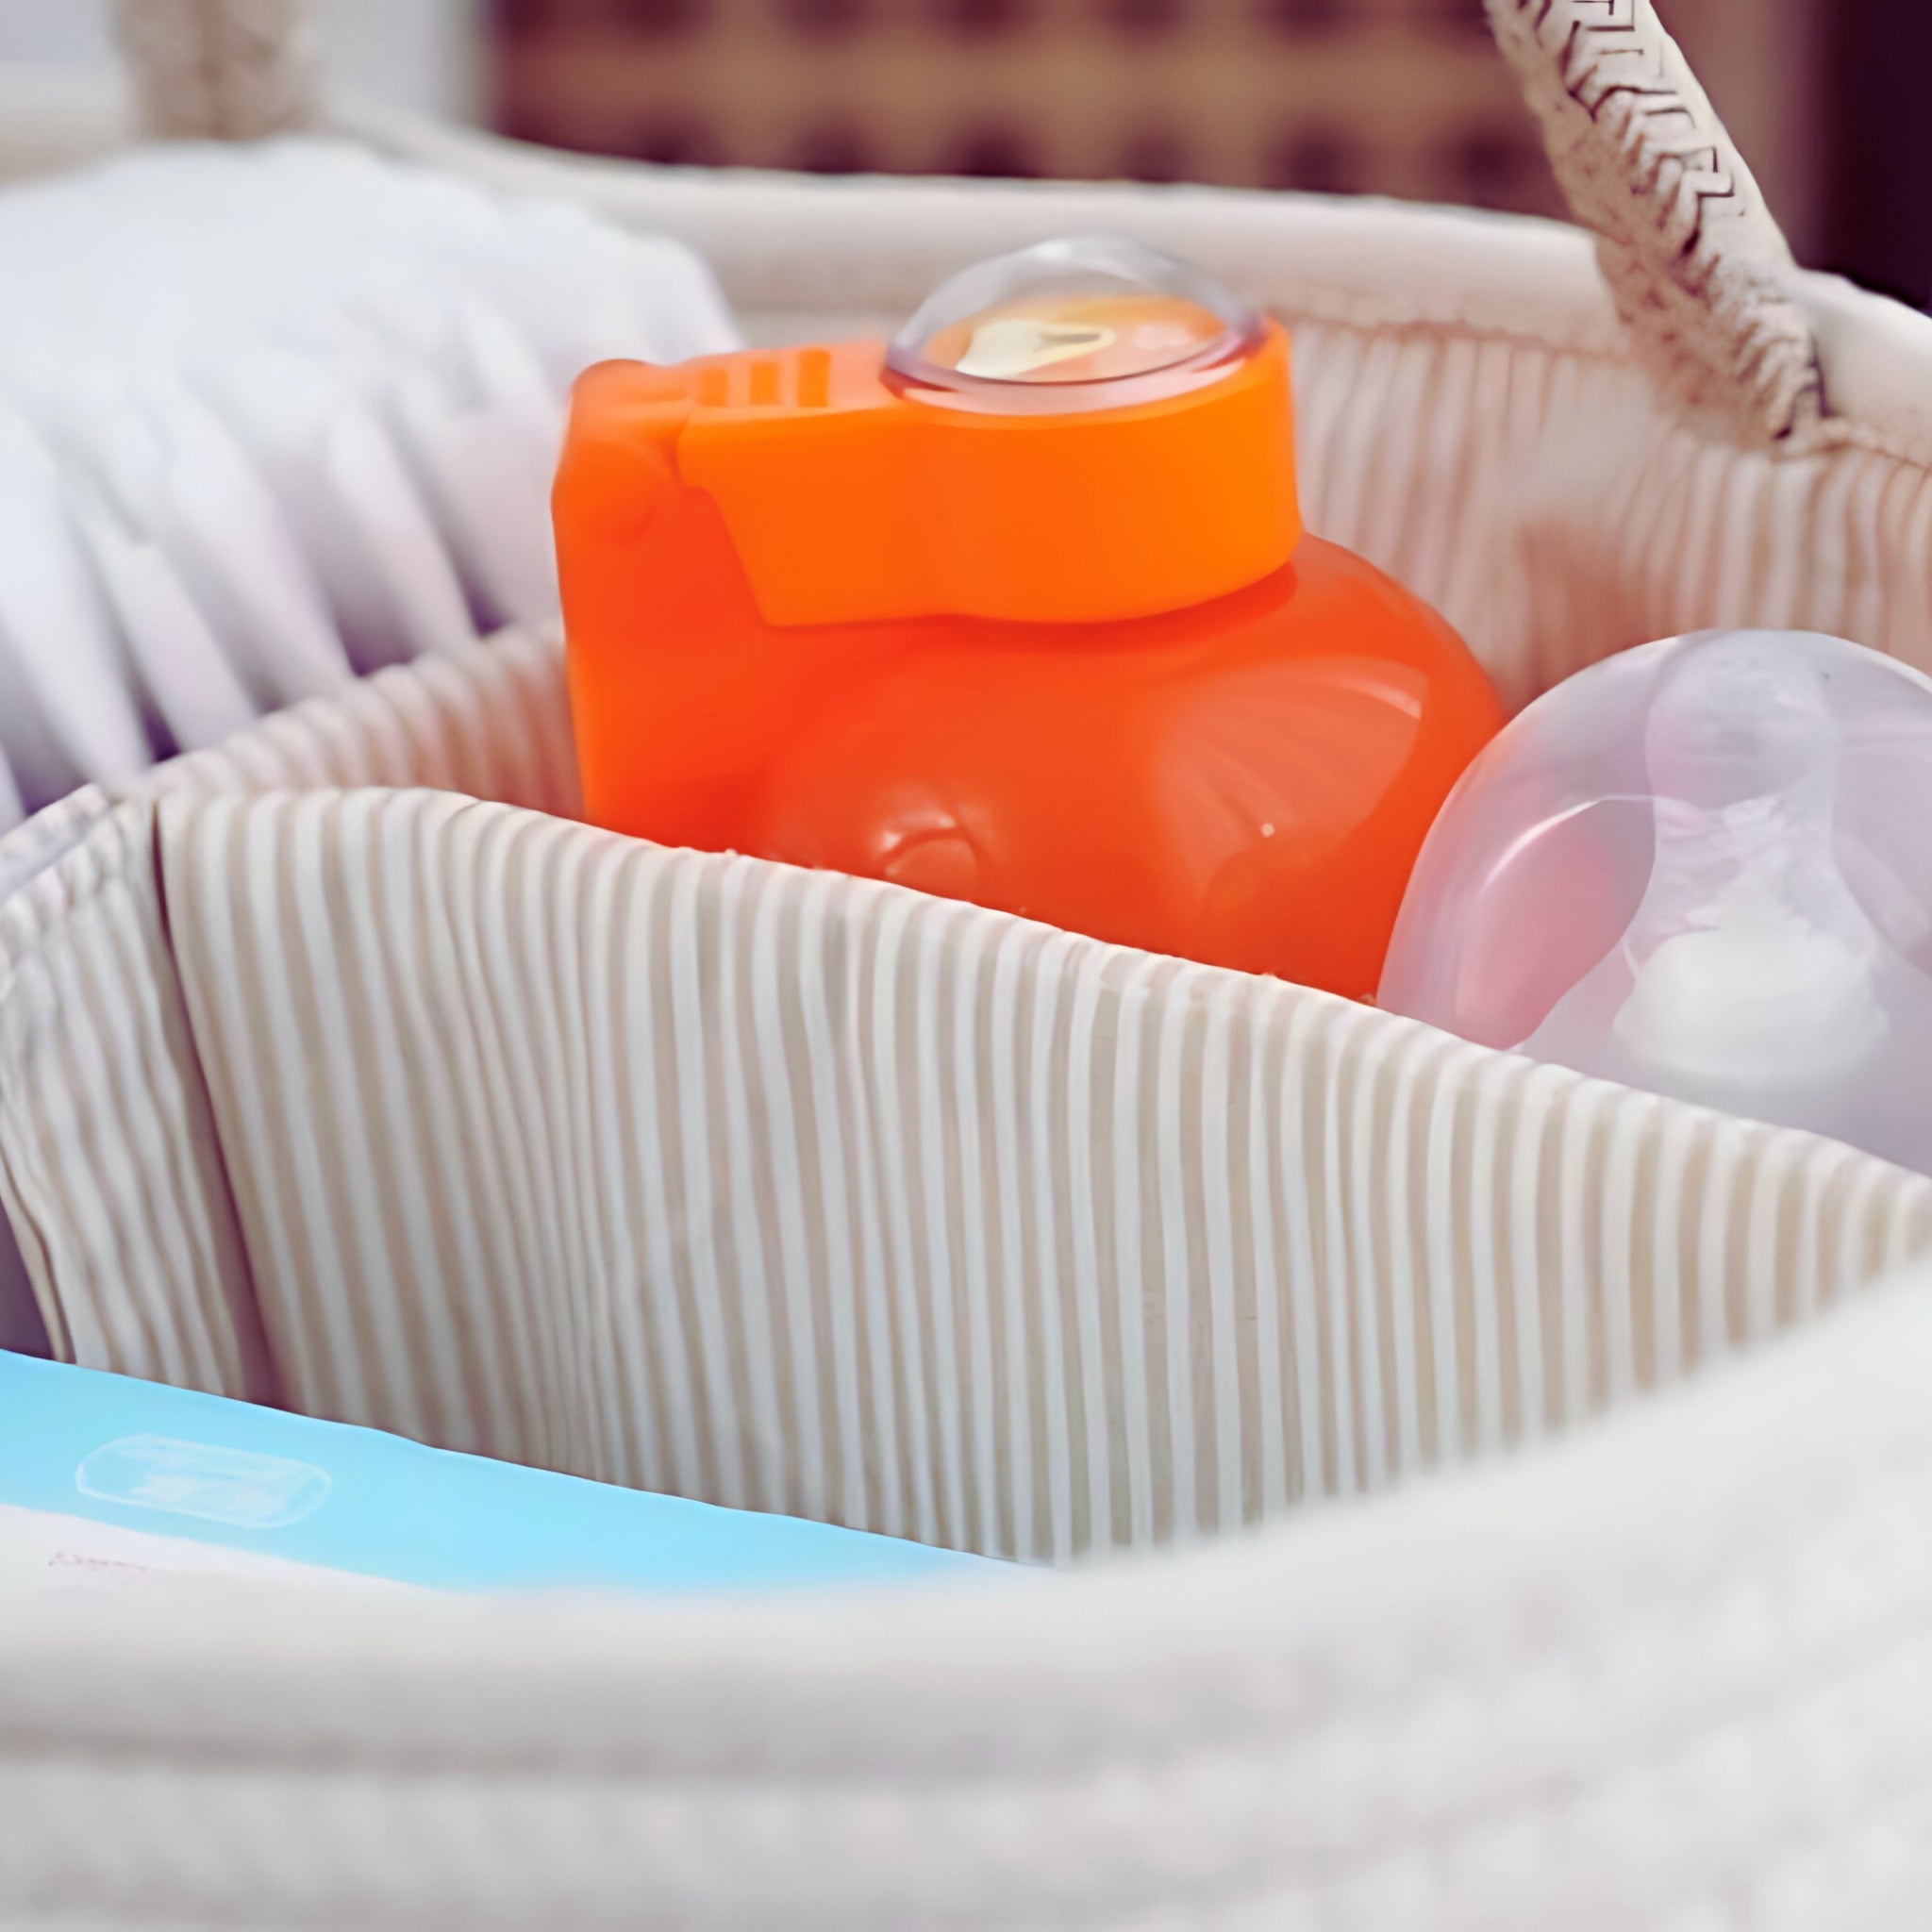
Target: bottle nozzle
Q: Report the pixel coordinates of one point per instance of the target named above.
(1749, 958)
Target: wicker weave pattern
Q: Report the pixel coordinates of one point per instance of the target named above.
(1688, 246)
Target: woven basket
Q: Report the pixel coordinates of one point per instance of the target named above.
(322, 1085)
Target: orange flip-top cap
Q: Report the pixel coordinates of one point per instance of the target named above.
(850, 499)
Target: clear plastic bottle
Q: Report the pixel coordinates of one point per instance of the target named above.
(1699, 868)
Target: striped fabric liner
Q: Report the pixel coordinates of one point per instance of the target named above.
(97, 1070)
(1555, 513)
(787, 1191)
(23, 855)
(41, 842)
(109, 1171)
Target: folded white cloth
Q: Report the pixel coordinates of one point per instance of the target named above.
(318, 440)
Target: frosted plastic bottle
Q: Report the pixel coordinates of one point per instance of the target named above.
(1700, 869)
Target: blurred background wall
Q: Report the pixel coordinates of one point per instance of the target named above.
(1406, 97)
(434, 54)
(1403, 97)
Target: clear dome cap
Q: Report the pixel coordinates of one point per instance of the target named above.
(1699, 868)
(1090, 321)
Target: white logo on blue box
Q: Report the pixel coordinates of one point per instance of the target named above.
(233, 1485)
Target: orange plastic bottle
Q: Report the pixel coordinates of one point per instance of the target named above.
(1017, 610)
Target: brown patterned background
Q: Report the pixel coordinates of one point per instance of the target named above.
(1393, 96)
(1406, 97)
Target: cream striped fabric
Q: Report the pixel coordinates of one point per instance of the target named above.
(492, 720)
(1669, 1674)
(23, 857)
(1555, 513)
(43, 838)
(792, 1191)
(96, 1071)
(109, 1173)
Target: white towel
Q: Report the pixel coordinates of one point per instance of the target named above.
(318, 442)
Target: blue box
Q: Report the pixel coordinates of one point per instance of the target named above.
(104, 1476)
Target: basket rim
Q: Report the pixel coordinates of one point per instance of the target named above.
(1664, 1506)
(1362, 260)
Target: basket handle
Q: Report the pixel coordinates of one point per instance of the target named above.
(1694, 259)
(220, 70)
